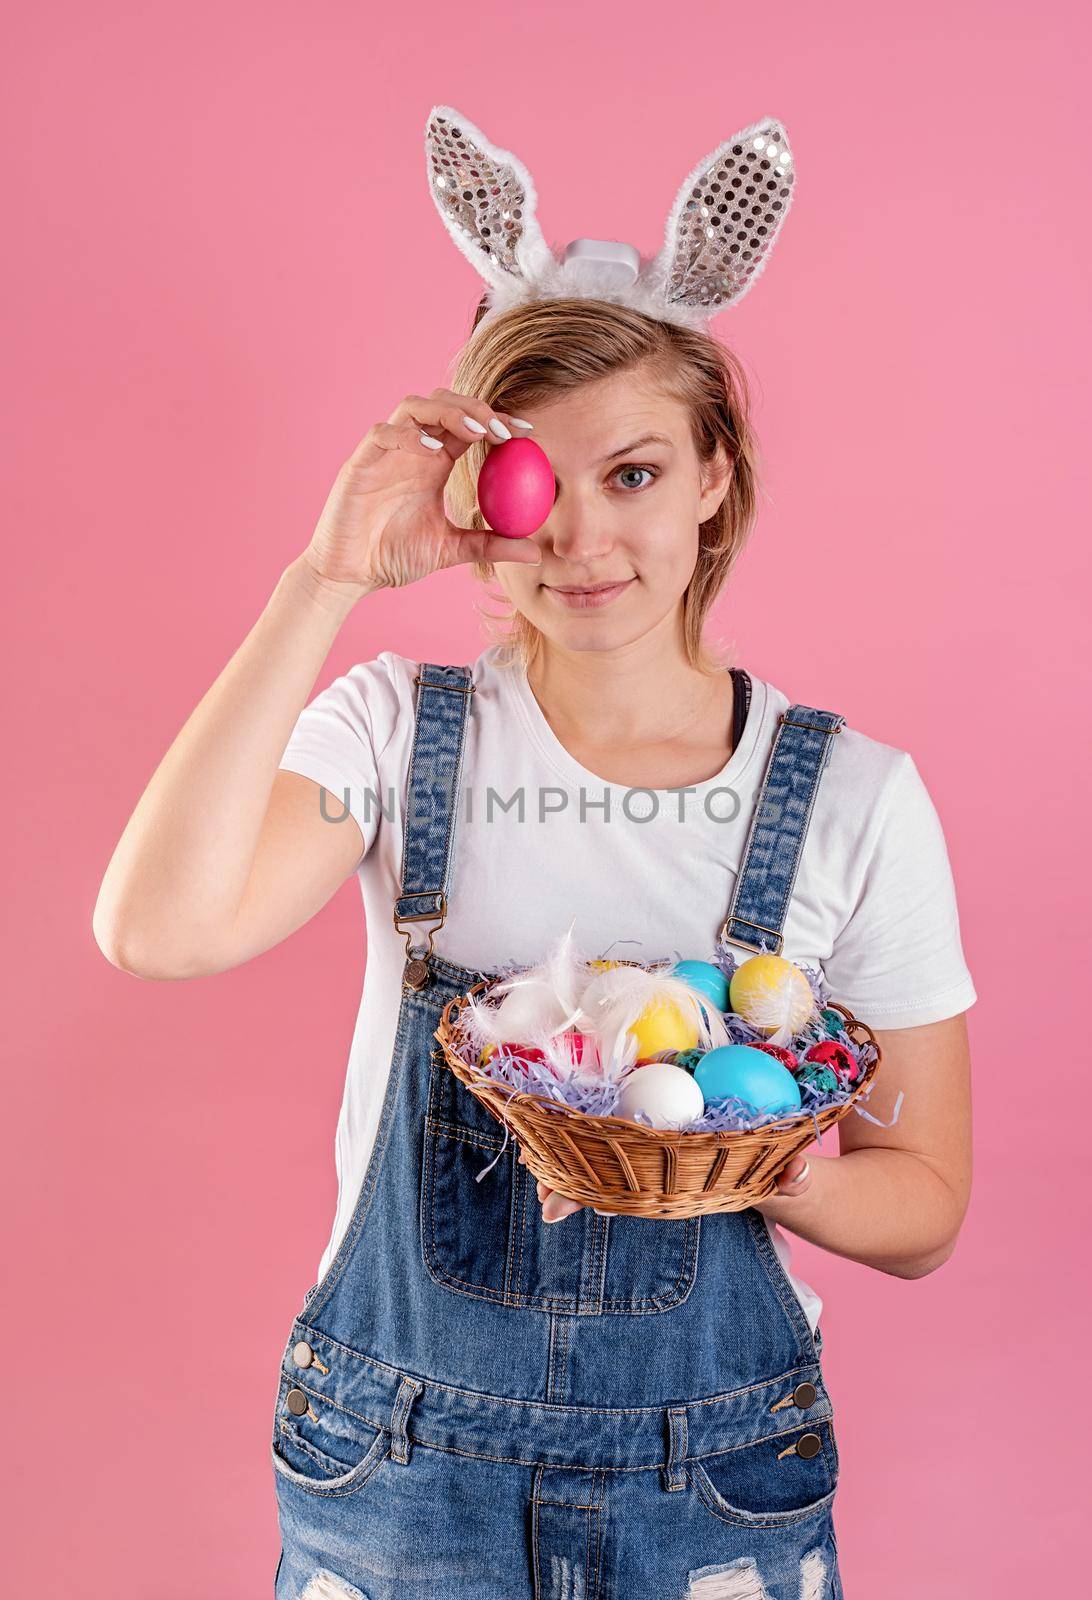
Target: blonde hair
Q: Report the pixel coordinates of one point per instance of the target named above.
(539, 350)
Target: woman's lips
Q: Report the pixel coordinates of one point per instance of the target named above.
(587, 599)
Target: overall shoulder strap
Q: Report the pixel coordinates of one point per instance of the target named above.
(801, 749)
(443, 707)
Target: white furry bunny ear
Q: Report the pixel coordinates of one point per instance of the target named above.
(487, 201)
(725, 218)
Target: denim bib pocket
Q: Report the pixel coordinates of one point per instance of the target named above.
(487, 1238)
(751, 1487)
(326, 1450)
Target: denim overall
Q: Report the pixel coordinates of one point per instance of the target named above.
(474, 1404)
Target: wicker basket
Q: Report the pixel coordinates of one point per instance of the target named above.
(617, 1165)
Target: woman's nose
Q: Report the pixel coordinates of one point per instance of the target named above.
(575, 535)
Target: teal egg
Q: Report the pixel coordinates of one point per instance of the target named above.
(707, 979)
(749, 1075)
(820, 1077)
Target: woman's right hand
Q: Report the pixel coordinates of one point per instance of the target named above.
(384, 524)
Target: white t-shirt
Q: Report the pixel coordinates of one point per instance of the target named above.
(873, 906)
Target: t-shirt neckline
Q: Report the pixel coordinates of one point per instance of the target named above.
(549, 746)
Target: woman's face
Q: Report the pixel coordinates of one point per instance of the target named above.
(626, 514)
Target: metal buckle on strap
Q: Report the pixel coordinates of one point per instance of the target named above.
(459, 688)
(813, 727)
(422, 916)
(749, 944)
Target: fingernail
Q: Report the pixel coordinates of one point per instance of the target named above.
(433, 444)
(802, 1174)
(518, 422)
(499, 429)
(474, 425)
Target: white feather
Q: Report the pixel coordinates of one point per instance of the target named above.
(613, 1001)
(541, 1001)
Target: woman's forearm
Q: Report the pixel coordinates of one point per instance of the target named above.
(181, 866)
(886, 1208)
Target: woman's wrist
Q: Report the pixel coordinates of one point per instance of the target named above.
(330, 596)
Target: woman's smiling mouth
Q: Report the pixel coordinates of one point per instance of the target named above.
(578, 599)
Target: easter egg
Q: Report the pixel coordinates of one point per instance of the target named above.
(819, 1077)
(663, 1026)
(516, 488)
(749, 1075)
(665, 1093)
(833, 1021)
(704, 977)
(574, 1054)
(522, 1052)
(778, 1051)
(771, 994)
(829, 1053)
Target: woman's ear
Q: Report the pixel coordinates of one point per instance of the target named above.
(716, 476)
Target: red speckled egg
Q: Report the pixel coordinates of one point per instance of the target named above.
(834, 1055)
(786, 1057)
(516, 488)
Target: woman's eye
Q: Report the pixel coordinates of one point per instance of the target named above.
(650, 470)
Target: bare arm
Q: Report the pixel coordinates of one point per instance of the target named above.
(174, 901)
(895, 1198)
(224, 854)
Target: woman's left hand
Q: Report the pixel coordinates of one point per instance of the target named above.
(554, 1205)
(794, 1180)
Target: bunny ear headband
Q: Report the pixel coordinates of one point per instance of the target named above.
(718, 237)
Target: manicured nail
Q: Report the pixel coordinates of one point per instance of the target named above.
(499, 429)
(802, 1174)
(518, 422)
(433, 444)
(474, 425)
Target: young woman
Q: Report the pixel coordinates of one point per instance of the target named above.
(487, 1393)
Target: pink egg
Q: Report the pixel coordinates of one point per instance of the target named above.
(516, 488)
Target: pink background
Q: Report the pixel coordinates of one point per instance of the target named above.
(222, 266)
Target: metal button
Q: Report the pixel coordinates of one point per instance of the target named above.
(297, 1402)
(302, 1355)
(808, 1445)
(416, 973)
(804, 1395)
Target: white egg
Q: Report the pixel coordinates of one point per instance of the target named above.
(665, 1093)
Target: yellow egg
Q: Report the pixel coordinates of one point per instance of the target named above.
(490, 1049)
(770, 993)
(663, 1026)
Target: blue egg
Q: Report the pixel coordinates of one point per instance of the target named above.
(749, 1075)
(705, 978)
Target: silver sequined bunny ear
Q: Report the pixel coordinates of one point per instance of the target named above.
(487, 201)
(725, 218)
